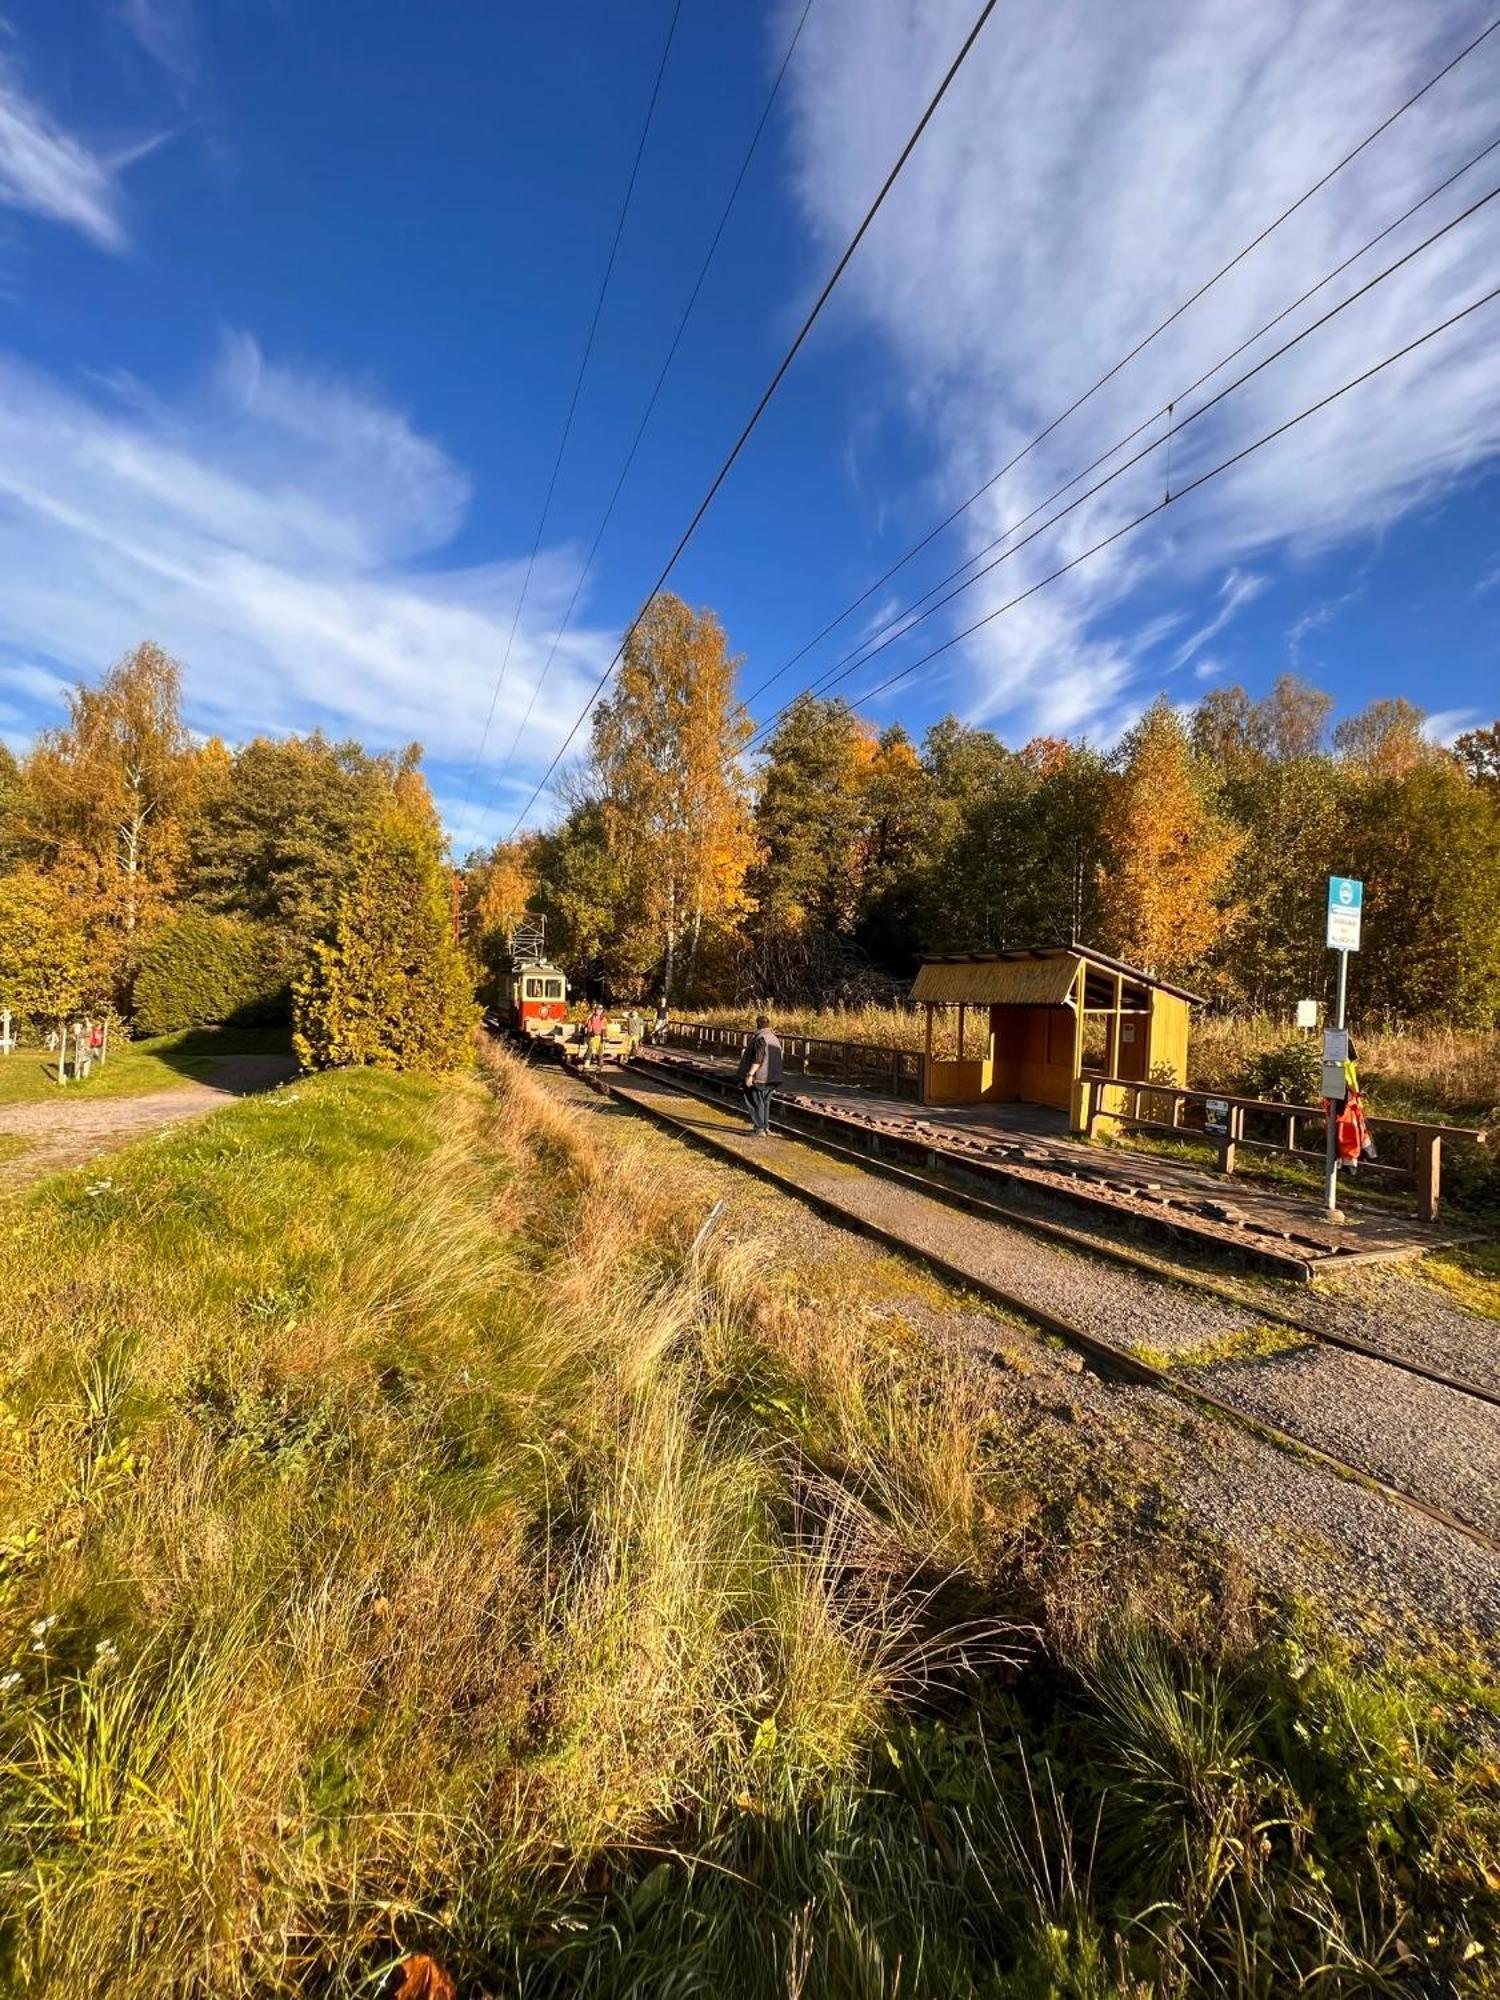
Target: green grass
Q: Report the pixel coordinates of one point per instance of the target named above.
(29, 1075)
(1249, 1343)
(1470, 1274)
(410, 1540)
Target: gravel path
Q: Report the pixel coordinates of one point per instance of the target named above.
(1441, 1446)
(66, 1131)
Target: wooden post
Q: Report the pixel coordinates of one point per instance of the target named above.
(1234, 1131)
(1090, 1106)
(62, 1050)
(1429, 1165)
(104, 1045)
(6, 1042)
(962, 1012)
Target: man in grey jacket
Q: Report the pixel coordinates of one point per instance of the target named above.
(760, 1072)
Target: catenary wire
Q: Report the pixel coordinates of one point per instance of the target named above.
(770, 390)
(1125, 359)
(858, 653)
(562, 443)
(1171, 500)
(646, 415)
(865, 653)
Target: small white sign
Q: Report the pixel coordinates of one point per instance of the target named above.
(1307, 1013)
(1335, 1082)
(1335, 1045)
(1345, 906)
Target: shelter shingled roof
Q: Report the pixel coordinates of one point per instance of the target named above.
(1032, 975)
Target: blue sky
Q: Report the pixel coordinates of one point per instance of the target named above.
(292, 299)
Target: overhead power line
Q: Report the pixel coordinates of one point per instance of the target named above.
(646, 415)
(1125, 359)
(770, 390)
(1171, 499)
(583, 364)
(864, 653)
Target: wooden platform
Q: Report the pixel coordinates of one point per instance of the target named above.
(1028, 1147)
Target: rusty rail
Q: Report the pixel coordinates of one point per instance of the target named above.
(1187, 1117)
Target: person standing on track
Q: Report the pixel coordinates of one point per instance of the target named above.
(594, 1029)
(760, 1072)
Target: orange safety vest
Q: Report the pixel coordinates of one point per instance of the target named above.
(1351, 1133)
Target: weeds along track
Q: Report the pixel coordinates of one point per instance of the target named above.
(1426, 1440)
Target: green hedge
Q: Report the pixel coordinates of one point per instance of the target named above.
(201, 969)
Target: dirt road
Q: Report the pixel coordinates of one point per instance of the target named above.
(66, 1131)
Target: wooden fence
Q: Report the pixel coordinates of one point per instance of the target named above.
(1260, 1125)
(893, 1072)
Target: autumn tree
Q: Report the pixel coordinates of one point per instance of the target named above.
(12, 836)
(499, 886)
(580, 888)
(811, 823)
(43, 970)
(1477, 754)
(1426, 843)
(108, 793)
(665, 773)
(271, 837)
(897, 815)
(1168, 852)
(1384, 740)
(1293, 817)
(390, 986)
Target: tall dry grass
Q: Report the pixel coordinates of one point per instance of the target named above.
(414, 1533)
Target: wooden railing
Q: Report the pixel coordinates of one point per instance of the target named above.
(1159, 1107)
(895, 1072)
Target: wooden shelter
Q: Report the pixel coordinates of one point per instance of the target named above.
(1049, 1015)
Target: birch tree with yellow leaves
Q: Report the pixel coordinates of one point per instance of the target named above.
(666, 777)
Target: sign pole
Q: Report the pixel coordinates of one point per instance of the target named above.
(1331, 1163)
(1345, 913)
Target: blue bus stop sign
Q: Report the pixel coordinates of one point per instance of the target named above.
(1345, 906)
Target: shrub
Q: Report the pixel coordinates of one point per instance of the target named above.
(1292, 1072)
(391, 986)
(201, 969)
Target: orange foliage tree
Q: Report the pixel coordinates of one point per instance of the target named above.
(1168, 851)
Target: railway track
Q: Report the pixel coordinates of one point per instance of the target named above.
(1101, 1248)
(1107, 1357)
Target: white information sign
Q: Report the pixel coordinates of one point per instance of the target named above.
(1307, 1013)
(1345, 905)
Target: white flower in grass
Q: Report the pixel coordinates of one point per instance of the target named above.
(105, 1655)
(40, 1627)
(10, 1682)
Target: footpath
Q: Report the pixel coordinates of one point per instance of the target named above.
(68, 1130)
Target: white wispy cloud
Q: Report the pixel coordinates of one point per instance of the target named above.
(48, 171)
(281, 533)
(1090, 168)
(168, 31)
(1449, 723)
(1240, 587)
